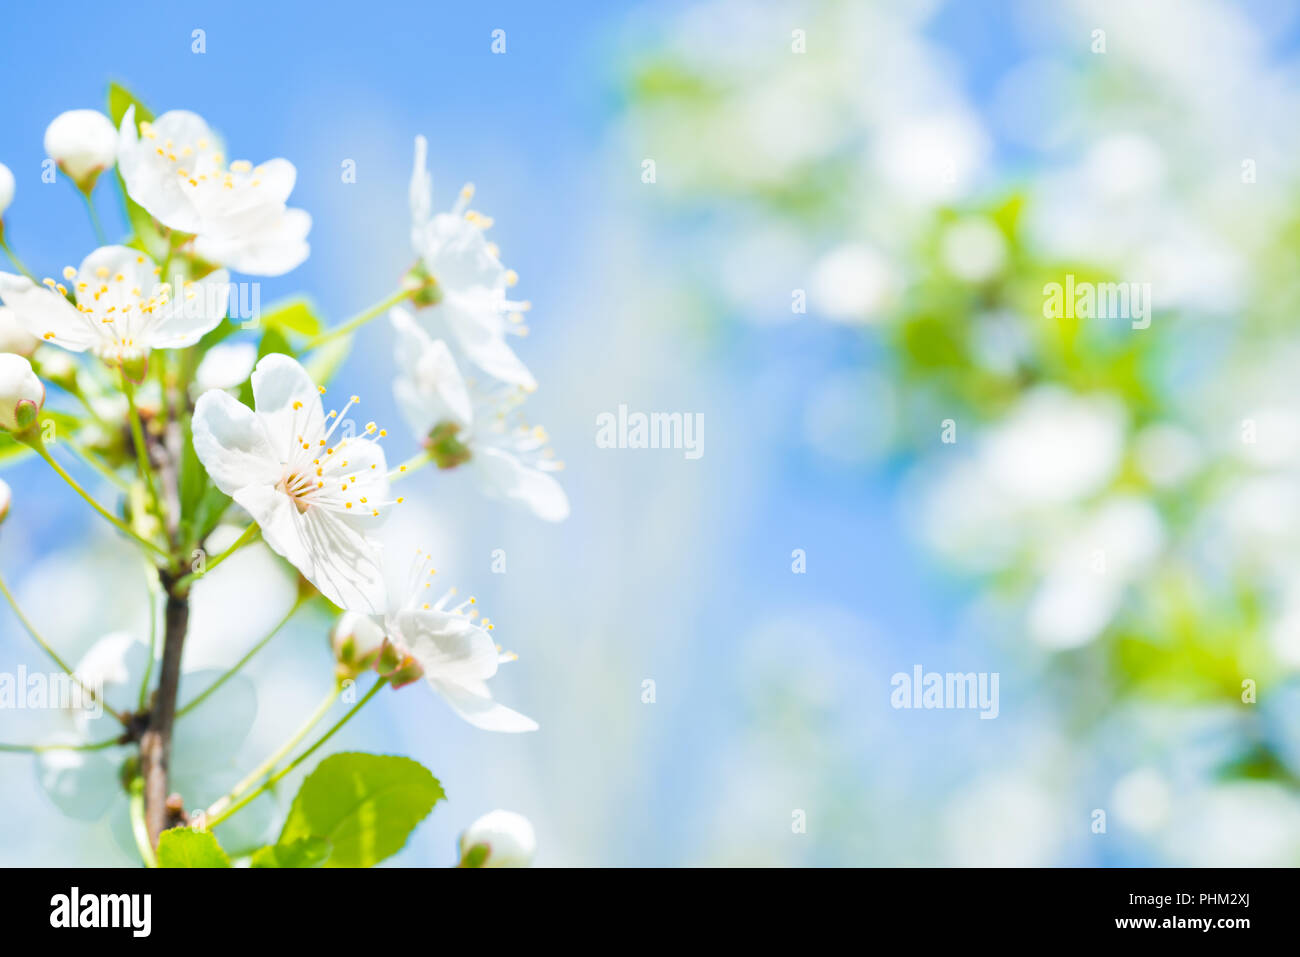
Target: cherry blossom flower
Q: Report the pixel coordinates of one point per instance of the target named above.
(458, 424)
(470, 279)
(315, 489)
(449, 645)
(176, 168)
(122, 310)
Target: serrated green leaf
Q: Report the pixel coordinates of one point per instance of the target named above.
(366, 805)
(185, 847)
(304, 852)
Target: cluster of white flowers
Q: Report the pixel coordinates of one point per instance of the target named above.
(316, 488)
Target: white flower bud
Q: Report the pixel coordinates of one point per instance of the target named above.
(508, 837)
(357, 640)
(13, 337)
(6, 497)
(6, 188)
(22, 395)
(83, 143)
(225, 366)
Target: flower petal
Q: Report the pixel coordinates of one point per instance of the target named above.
(270, 248)
(193, 311)
(231, 442)
(482, 712)
(47, 315)
(458, 255)
(429, 388)
(475, 322)
(287, 401)
(447, 646)
(329, 551)
(149, 177)
(506, 476)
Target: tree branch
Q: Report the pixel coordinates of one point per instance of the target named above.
(156, 742)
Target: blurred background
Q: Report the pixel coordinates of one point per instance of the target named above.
(1115, 531)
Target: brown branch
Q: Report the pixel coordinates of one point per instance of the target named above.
(156, 742)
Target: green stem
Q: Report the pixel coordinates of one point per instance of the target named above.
(54, 655)
(267, 766)
(140, 829)
(238, 666)
(93, 461)
(274, 779)
(100, 236)
(155, 593)
(247, 535)
(137, 439)
(18, 263)
(121, 526)
(360, 319)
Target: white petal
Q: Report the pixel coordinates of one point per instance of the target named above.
(447, 646)
(150, 179)
(225, 366)
(231, 442)
(280, 384)
(430, 388)
(421, 191)
(270, 249)
(482, 712)
(506, 476)
(329, 550)
(458, 255)
(475, 322)
(192, 311)
(47, 315)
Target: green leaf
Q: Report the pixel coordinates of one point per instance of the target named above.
(146, 237)
(366, 805)
(296, 315)
(119, 99)
(185, 847)
(304, 852)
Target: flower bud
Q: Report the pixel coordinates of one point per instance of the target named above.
(6, 188)
(6, 497)
(357, 641)
(13, 336)
(400, 668)
(83, 143)
(22, 395)
(508, 838)
(445, 449)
